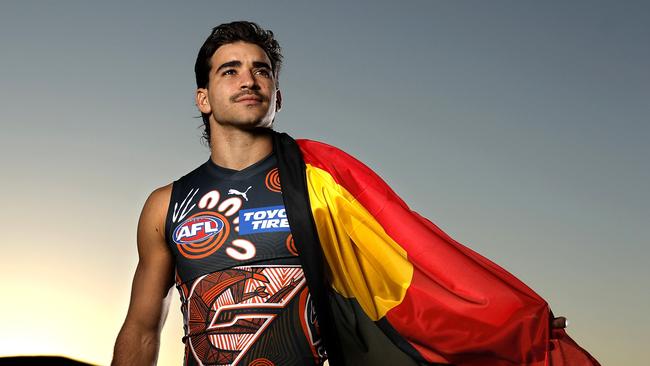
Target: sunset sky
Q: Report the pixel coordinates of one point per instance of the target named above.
(521, 128)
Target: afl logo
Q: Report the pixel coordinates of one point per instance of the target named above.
(197, 229)
(201, 234)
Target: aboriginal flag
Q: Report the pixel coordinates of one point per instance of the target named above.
(391, 288)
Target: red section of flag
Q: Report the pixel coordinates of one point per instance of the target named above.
(459, 305)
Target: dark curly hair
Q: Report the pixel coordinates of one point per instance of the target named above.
(230, 33)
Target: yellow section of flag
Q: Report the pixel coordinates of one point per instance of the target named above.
(364, 262)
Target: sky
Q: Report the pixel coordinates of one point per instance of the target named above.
(521, 128)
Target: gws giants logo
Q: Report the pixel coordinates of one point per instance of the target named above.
(201, 234)
(229, 310)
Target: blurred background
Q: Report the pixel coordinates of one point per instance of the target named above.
(521, 128)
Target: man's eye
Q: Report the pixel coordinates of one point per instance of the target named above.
(263, 72)
(229, 72)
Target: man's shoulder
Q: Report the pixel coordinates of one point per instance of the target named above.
(163, 194)
(329, 157)
(159, 198)
(313, 145)
(337, 166)
(320, 152)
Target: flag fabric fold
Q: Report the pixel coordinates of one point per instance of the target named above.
(390, 287)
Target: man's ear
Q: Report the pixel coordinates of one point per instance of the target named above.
(202, 101)
(278, 100)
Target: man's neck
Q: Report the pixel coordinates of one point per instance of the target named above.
(237, 149)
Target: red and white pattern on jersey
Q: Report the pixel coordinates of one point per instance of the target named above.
(227, 311)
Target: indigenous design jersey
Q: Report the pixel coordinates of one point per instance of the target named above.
(243, 293)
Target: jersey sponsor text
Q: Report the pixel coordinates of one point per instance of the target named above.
(263, 219)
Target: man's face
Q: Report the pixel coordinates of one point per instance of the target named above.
(242, 89)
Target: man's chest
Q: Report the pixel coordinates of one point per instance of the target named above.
(215, 224)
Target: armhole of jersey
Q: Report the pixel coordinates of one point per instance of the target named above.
(170, 211)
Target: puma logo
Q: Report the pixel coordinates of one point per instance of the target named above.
(243, 194)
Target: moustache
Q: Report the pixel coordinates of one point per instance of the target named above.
(235, 97)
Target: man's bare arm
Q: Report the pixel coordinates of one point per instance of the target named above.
(139, 339)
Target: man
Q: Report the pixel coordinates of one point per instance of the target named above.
(290, 252)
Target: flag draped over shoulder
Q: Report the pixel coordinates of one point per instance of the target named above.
(391, 288)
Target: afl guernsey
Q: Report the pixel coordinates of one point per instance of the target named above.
(244, 297)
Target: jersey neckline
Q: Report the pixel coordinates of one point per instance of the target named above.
(233, 174)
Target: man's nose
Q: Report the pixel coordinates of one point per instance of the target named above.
(247, 80)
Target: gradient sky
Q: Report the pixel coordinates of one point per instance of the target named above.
(519, 127)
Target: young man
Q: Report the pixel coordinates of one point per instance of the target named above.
(290, 252)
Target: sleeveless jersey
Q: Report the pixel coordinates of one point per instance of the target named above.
(244, 297)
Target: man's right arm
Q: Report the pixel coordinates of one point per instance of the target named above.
(139, 339)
